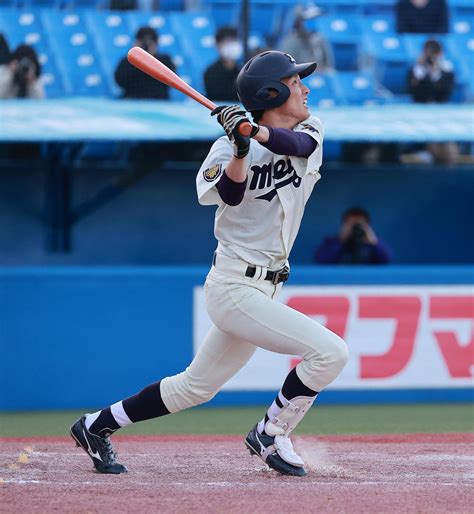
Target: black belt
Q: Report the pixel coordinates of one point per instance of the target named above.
(275, 277)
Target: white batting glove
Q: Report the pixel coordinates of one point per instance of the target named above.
(231, 117)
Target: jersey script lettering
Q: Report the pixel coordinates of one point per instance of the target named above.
(262, 177)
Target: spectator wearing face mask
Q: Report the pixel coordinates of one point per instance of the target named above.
(219, 77)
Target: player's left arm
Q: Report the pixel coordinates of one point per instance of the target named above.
(282, 141)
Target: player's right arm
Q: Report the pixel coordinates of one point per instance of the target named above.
(222, 178)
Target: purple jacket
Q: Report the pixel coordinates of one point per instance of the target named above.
(334, 251)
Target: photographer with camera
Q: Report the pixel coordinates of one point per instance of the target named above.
(356, 243)
(135, 83)
(431, 80)
(20, 77)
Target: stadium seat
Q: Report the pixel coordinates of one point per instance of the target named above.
(223, 12)
(157, 20)
(462, 24)
(172, 5)
(379, 6)
(356, 87)
(389, 59)
(460, 50)
(77, 58)
(461, 7)
(21, 26)
(378, 24)
(324, 90)
(267, 18)
(197, 41)
(343, 33)
(341, 7)
(112, 34)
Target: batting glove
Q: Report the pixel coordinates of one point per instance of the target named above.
(231, 117)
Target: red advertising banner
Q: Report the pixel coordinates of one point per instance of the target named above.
(398, 336)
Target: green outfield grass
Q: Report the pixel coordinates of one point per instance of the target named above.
(353, 419)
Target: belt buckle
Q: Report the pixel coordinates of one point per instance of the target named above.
(280, 275)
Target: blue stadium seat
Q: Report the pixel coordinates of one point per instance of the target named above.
(112, 35)
(21, 26)
(341, 7)
(357, 87)
(224, 12)
(460, 50)
(379, 6)
(324, 90)
(196, 31)
(378, 24)
(172, 5)
(77, 58)
(267, 18)
(461, 7)
(50, 77)
(343, 33)
(389, 58)
(462, 24)
(157, 20)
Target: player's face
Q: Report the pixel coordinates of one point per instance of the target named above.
(296, 105)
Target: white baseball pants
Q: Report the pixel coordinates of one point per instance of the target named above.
(245, 316)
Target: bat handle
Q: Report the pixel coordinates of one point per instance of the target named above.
(245, 129)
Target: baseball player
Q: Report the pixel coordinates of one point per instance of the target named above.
(260, 185)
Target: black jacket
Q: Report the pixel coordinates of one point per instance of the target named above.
(425, 89)
(136, 84)
(432, 19)
(220, 82)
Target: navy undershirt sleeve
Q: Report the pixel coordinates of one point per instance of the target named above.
(232, 193)
(288, 142)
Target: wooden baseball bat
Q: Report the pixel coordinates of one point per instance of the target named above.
(156, 69)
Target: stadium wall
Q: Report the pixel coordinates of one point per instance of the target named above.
(158, 220)
(85, 337)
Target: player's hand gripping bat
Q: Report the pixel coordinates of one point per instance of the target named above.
(156, 69)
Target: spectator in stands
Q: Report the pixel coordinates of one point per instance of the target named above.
(308, 45)
(356, 242)
(422, 16)
(219, 77)
(431, 80)
(20, 78)
(135, 83)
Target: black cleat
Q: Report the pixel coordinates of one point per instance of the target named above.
(98, 448)
(268, 448)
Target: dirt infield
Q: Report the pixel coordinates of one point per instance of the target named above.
(215, 474)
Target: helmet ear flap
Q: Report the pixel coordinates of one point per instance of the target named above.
(272, 94)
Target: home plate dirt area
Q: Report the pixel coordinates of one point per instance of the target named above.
(419, 473)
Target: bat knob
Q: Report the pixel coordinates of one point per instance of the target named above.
(245, 129)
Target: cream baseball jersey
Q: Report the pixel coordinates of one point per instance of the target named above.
(261, 230)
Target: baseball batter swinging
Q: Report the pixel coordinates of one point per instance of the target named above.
(260, 185)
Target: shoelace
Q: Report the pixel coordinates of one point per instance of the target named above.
(108, 448)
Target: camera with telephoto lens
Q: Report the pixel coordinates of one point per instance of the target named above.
(25, 68)
(358, 233)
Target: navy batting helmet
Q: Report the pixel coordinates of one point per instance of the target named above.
(259, 83)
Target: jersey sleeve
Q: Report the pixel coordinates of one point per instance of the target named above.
(305, 166)
(211, 171)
